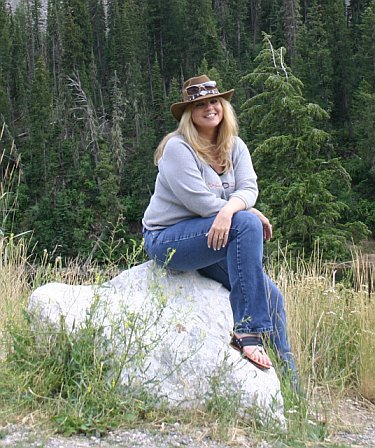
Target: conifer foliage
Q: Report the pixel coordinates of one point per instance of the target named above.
(85, 90)
(291, 155)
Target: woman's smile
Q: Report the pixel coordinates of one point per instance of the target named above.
(207, 115)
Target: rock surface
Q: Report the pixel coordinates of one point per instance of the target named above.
(180, 322)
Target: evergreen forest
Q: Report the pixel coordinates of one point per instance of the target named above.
(85, 90)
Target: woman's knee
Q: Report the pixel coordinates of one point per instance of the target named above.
(246, 220)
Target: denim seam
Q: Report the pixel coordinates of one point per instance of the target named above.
(182, 238)
(239, 267)
(246, 329)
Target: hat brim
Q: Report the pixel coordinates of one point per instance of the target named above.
(177, 109)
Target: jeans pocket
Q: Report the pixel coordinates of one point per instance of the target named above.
(150, 237)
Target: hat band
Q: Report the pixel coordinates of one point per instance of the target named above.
(197, 90)
(203, 93)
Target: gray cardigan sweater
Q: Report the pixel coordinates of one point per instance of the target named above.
(187, 187)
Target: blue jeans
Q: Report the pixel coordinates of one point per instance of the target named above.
(257, 304)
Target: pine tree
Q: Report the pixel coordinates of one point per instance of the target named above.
(255, 10)
(158, 98)
(362, 163)
(356, 9)
(54, 44)
(4, 108)
(123, 52)
(31, 10)
(131, 59)
(117, 120)
(77, 41)
(19, 70)
(116, 37)
(361, 160)
(296, 177)
(271, 21)
(313, 60)
(364, 132)
(174, 96)
(37, 158)
(165, 27)
(365, 55)
(5, 60)
(336, 24)
(108, 201)
(232, 17)
(36, 32)
(98, 21)
(291, 19)
(201, 37)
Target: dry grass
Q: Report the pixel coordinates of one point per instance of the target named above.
(367, 357)
(14, 284)
(331, 326)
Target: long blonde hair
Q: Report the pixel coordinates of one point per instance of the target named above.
(228, 130)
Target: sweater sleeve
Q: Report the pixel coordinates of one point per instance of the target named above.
(245, 178)
(179, 169)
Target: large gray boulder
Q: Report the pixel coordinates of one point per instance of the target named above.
(173, 328)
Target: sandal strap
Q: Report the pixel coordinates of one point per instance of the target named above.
(240, 343)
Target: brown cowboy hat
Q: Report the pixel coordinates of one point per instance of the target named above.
(196, 89)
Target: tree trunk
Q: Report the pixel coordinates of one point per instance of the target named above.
(290, 24)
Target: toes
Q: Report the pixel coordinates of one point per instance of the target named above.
(258, 355)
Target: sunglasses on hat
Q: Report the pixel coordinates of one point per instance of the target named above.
(205, 88)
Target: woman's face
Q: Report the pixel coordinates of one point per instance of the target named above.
(207, 114)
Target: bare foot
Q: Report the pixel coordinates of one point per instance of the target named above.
(255, 353)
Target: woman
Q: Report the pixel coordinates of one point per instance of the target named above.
(201, 216)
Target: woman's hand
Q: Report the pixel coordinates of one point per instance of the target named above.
(217, 237)
(219, 231)
(267, 227)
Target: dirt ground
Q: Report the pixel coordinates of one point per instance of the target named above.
(355, 423)
(353, 419)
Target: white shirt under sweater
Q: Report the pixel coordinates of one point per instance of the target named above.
(187, 187)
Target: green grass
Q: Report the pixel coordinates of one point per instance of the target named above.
(74, 377)
(69, 378)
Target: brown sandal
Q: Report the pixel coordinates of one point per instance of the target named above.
(255, 341)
